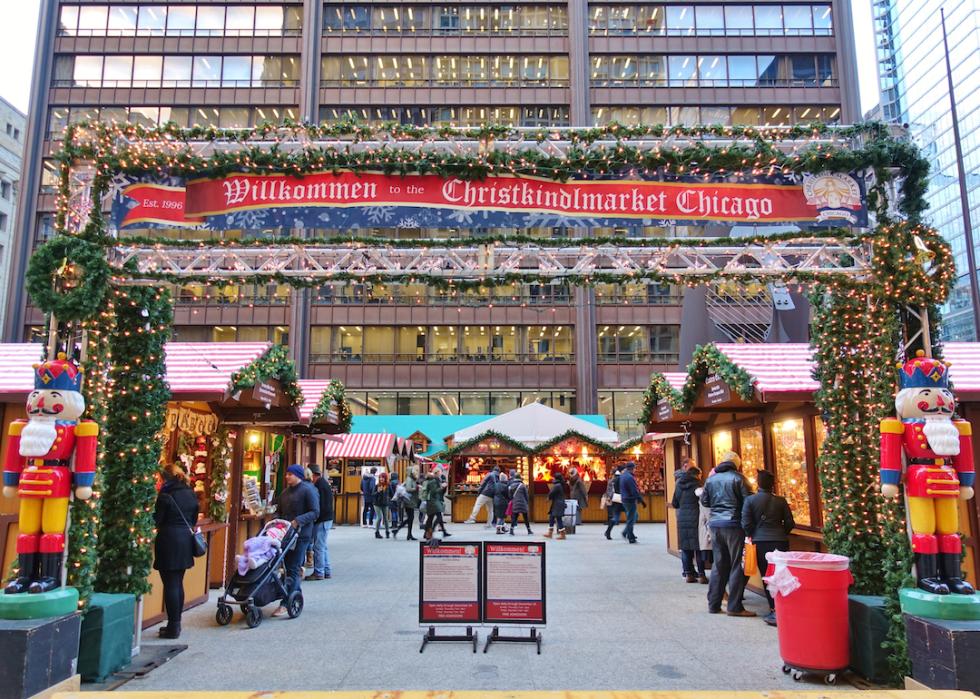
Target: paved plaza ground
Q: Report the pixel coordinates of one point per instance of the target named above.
(619, 617)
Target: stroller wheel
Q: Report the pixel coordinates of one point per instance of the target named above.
(253, 617)
(223, 615)
(294, 604)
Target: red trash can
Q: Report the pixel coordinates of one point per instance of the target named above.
(810, 591)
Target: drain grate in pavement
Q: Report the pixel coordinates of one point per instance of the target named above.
(486, 672)
(151, 657)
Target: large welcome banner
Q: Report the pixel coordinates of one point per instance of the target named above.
(363, 200)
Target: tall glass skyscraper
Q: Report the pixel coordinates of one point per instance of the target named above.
(915, 91)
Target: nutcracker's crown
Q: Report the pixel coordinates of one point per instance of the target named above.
(924, 372)
(59, 374)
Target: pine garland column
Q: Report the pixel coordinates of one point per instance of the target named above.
(83, 531)
(137, 410)
(855, 338)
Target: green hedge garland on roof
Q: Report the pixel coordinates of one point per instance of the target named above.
(527, 448)
(274, 364)
(334, 394)
(707, 360)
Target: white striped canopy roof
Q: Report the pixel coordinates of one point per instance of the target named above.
(776, 368)
(964, 369)
(207, 367)
(676, 379)
(359, 446)
(16, 368)
(312, 393)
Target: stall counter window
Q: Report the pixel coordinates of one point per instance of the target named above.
(753, 457)
(792, 479)
(721, 442)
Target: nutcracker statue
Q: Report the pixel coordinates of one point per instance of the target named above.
(939, 470)
(38, 470)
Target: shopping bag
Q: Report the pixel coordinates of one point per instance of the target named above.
(750, 561)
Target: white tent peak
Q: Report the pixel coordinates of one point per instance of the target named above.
(535, 424)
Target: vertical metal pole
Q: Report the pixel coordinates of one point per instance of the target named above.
(964, 196)
(926, 335)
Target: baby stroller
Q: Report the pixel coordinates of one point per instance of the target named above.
(262, 586)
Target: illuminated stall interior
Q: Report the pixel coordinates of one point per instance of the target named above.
(539, 443)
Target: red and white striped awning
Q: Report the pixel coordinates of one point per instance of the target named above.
(964, 369)
(781, 371)
(359, 446)
(312, 393)
(203, 370)
(17, 360)
(676, 379)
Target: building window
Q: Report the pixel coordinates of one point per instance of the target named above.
(656, 344)
(443, 71)
(622, 410)
(457, 116)
(807, 70)
(179, 20)
(747, 116)
(441, 343)
(176, 71)
(446, 19)
(5, 189)
(3, 222)
(232, 333)
(712, 20)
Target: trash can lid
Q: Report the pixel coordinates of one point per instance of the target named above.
(809, 560)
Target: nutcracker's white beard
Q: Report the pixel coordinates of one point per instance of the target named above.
(38, 436)
(943, 436)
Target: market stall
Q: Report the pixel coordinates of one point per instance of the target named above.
(231, 404)
(538, 442)
(759, 403)
(754, 401)
(352, 455)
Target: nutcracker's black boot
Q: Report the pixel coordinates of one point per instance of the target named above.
(27, 562)
(927, 568)
(949, 564)
(50, 577)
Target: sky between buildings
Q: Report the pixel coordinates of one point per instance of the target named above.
(18, 32)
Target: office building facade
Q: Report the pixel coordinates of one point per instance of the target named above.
(404, 348)
(915, 91)
(12, 126)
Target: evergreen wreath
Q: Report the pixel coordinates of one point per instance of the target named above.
(55, 259)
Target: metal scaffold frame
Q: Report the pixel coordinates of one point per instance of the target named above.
(468, 262)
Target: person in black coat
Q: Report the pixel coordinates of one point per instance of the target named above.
(767, 520)
(173, 549)
(501, 496)
(300, 504)
(556, 510)
(368, 487)
(688, 506)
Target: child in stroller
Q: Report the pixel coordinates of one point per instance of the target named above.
(260, 578)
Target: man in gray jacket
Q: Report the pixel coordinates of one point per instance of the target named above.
(725, 493)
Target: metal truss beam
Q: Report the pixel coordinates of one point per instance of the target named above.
(468, 262)
(553, 141)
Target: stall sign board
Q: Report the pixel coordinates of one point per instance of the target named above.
(450, 583)
(514, 585)
(716, 391)
(664, 410)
